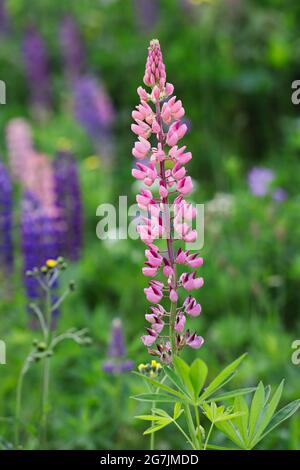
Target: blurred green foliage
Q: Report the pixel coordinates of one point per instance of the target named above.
(232, 63)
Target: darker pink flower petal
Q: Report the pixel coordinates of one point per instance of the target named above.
(185, 185)
(194, 341)
(149, 339)
(180, 322)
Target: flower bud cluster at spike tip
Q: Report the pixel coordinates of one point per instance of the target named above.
(160, 164)
(155, 73)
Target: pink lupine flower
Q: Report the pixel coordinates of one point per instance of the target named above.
(149, 270)
(150, 338)
(180, 322)
(181, 256)
(158, 117)
(157, 323)
(190, 281)
(172, 110)
(158, 310)
(173, 295)
(175, 133)
(178, 171)
(155, 73)
(183, 209)
(191, 307)
(146, 173)
(194, 261)
(185, 185)
(141, 129)
(179, 154)
(142, 93)
(141, 148)
(144, 199)
(154, 258)
(194, 341)
(154, 292)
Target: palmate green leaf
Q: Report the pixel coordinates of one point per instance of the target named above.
(160, 412)
(183, 371)
(162, 386)
(267, 393)
(231, 432)
(228, 417)
(241, 423)
(198, 373)
(148, 417)
(156, 397)
(256, 409)
(173, 377)
(267, 415)
(163, 423)
(235, 393)
(281, 415)
(225, 376)
(217, 414)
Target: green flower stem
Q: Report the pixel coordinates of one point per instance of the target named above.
(23, 372)
(184, 434)
(45, 400)
(152, 435)
(198, 431)
(18, 409)
(60, 300)
(170, 248)
(208, 436)
(191, 427)
(46, 366)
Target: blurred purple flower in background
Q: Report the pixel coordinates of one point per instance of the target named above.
(279, 195)
(36, 69)
(39, 240)
(69, 204)
(94, 111)
(93, 106)
(6, 207)
(259, 180)
(116, 361)
(146, 12)
(72, 48)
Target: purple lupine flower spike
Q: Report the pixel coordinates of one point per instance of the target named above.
(116, 361)
(69, 204)
(36, 69)
(94, 111)
(6, 243)
(146, 13)
(93, 107)
(30, 242)
(72, 48)
(38, 241)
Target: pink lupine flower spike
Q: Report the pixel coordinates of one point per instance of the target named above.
(160, 161)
